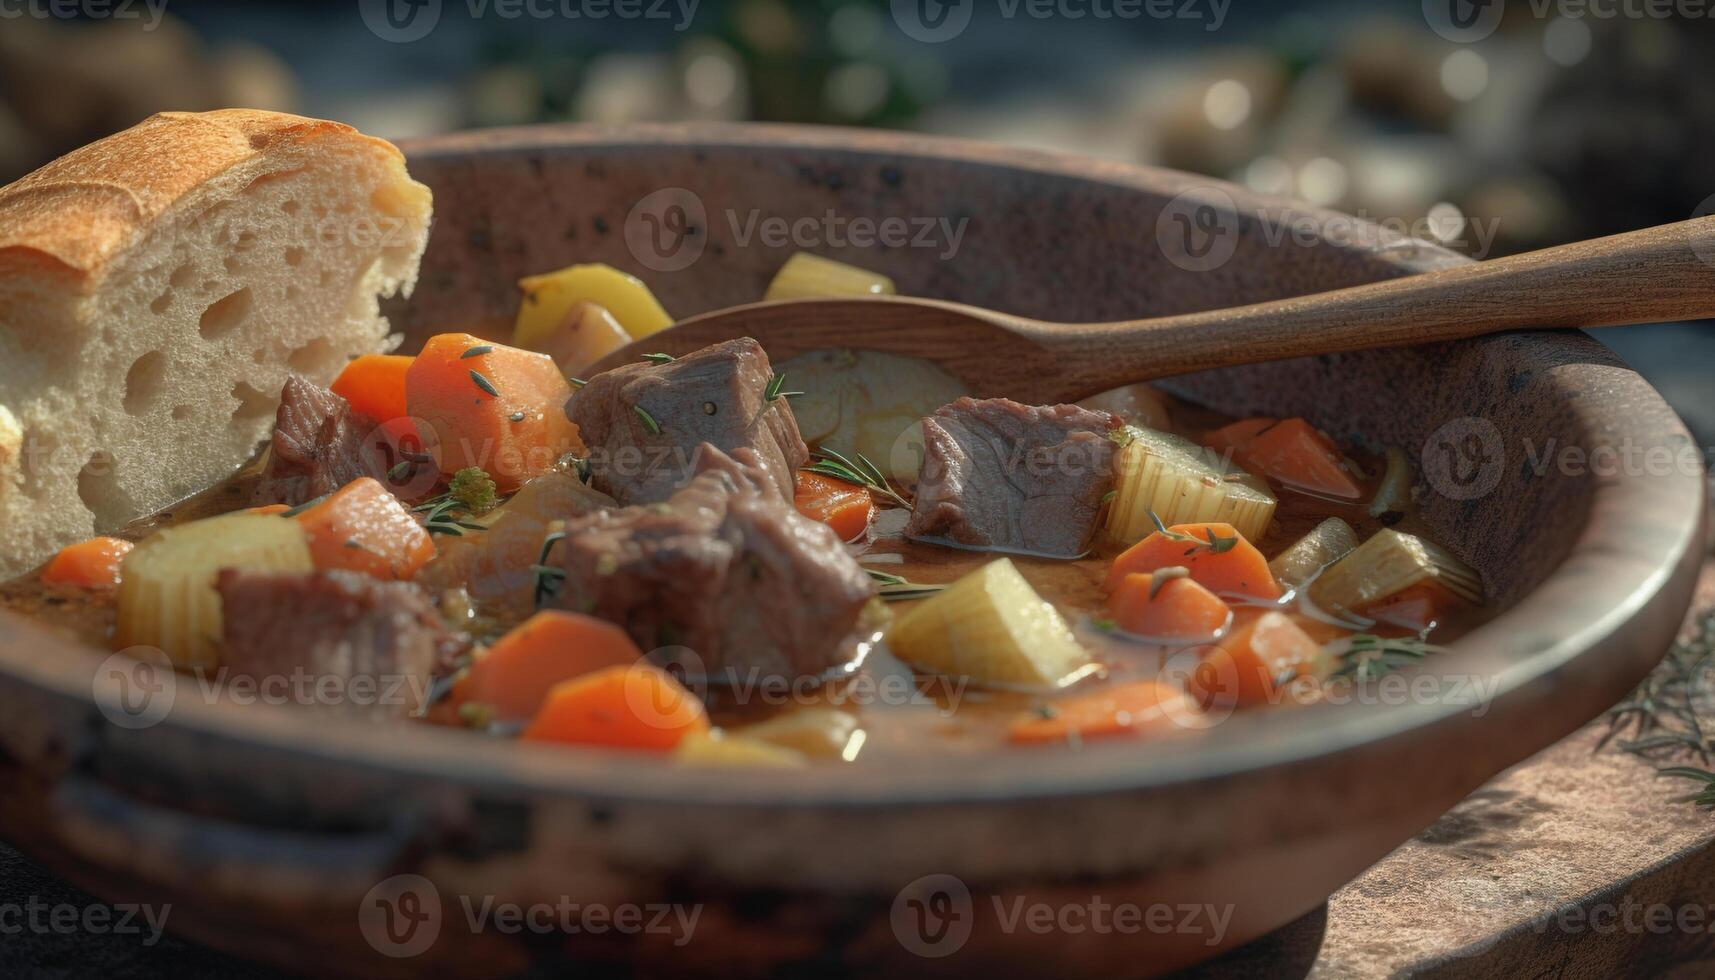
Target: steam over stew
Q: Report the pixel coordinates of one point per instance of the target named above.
(746, 563)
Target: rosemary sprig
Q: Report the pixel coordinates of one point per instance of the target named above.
(548, 577)
(484, 383)
(576, 382)
(659, 358)
(774, 393)
(477, 351)
(861, 472)
(1660, 718)
(649, 424)
(1366, 656)
(895, 588)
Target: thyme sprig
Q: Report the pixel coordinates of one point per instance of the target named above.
(649, 424)
(859, 471)
(484, 383)
(659, 358)
(895, 588)
(471, 494)
(477, 351)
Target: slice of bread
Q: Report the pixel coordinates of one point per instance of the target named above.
(157, 287)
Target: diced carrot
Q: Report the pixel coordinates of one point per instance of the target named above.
(1217, 556)
(374, 384)
(1249, 665)
(636, 707)
(1416, 608)
(845, 507)
(267, 509)
(1294, 453)
(362, 528)
(492, 406)
(1136, 708)
(515, 675)
(1236, 438)
(1180, 610)
(92, 564)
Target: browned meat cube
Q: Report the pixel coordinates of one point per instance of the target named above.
(347, 641)
(644, 422)
(318, 446)
(997, 474)
(725, 568)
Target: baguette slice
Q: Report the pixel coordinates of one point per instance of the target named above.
(157, 287)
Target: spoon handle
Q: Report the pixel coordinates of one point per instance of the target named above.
(1662, 273)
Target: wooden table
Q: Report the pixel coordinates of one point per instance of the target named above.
(1574, 863)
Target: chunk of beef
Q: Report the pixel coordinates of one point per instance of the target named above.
(318, 447)
(997, 474)
(370, 646)
(718, 396)
(725, 569)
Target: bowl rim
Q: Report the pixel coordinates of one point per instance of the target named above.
(1637, 552)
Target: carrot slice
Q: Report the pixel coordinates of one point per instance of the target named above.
(1416, 608)
(845, 507)
(1137, 708)
(1217, 556)
(1294, 453)
(362, 528)
(1180, 610)
(491, 406)
(514, 676)
(92, 564)
(1251, 664)
(267, 509)
(1236, 438)
(374, 384)
(636, 707)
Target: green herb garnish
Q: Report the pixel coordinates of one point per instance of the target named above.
(659, 358)
(1365, 656)
(773, 392)
(477, 351)
(861, 472)
(548, 577)
(484, 383)
(649, 423)
(473, 489)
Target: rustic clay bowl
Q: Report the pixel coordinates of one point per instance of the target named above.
(266, 827)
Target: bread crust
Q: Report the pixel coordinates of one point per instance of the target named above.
(65, 223)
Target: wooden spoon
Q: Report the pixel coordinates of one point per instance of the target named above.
(1662, 273)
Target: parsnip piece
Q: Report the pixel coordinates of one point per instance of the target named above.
(587, 334)
(1387, 564)
(1181, 483)
(550, 296)
(11, 447)
(806, 276)
(869, 402)
(822, 733)
(718, 748)
(992, 628)
(167, 597)
(1326, 543)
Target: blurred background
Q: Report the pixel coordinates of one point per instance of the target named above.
(1491, 127)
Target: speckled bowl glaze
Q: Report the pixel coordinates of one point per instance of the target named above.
(266, 828)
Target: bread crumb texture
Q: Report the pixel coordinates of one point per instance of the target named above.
(157, 287)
